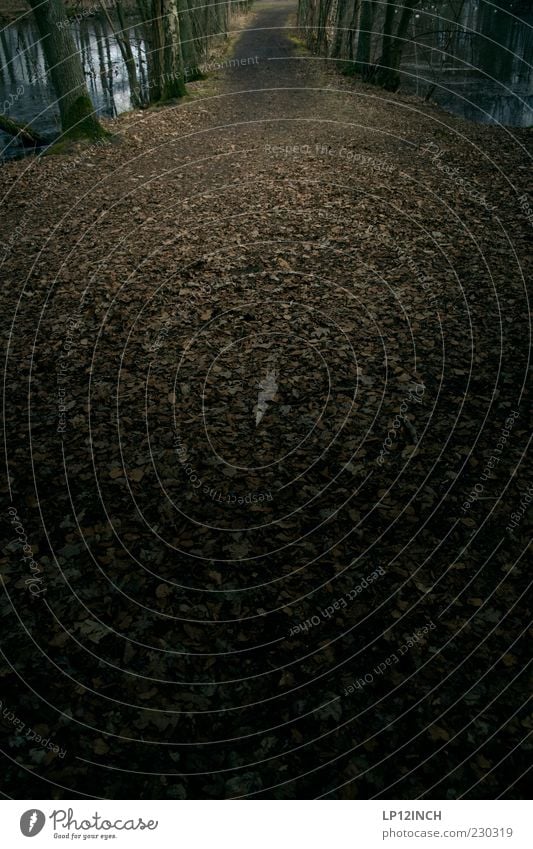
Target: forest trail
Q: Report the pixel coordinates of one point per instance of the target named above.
(256, 347)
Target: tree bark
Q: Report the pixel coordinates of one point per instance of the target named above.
(324, 9)
(77, 113)
(352, 32)
(27, 136)
(340, 22)
(190, 56)
(388, 70)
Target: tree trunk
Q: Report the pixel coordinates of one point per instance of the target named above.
(78, 119)
(190, 57)
(8, 57)
(129, 59)
(352, 32)
(388, 26)
(324, 9)
(123, 41)
(340, 23)
(168, 63)
(143, 9)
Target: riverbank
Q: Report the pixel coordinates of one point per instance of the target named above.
(354, 264)
(27, 98)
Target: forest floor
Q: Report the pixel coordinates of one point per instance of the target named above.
(260, 354)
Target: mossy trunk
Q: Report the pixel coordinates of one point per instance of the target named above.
(78, 119)
(364, 42)
(324, 11)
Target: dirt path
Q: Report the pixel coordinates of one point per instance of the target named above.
(267, 347)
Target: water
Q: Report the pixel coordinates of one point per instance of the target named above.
(25, 93)
(476, 64)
